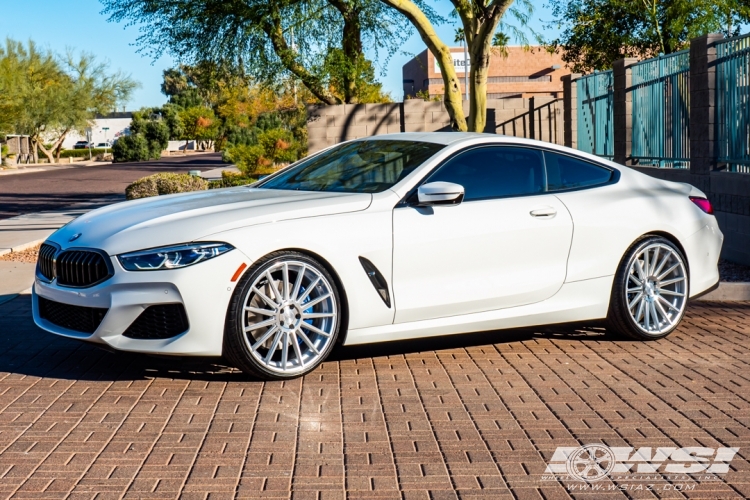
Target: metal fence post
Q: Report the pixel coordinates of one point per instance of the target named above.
(623, 110)
(703, 103)
(570, 110)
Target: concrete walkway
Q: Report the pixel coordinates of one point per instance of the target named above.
(43, 167)
(15, 278)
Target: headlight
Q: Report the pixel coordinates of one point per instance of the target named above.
(175, 257)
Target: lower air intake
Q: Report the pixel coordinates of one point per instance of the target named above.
(76, 318)
(162, 321)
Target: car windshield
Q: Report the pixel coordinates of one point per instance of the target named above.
(356, 167)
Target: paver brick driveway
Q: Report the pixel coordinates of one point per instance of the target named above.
(461, 417)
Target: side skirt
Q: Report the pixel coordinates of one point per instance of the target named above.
(578, 301)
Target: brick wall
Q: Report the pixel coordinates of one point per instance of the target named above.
(536, 118)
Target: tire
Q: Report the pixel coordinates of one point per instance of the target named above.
(650, 290)
(276, 331)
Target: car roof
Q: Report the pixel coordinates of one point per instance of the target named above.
(456, 138)
(435, 137)
(450, 137)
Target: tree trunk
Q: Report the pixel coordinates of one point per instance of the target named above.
(452, 96)
(34, 149)
(57, 146)
(351, 44)
(480, 67)
(479, 31)
(47, 153)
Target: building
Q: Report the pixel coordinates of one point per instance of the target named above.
(525, 72)
(105, 128)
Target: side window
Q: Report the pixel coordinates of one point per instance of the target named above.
(566, 172)
(494, 171)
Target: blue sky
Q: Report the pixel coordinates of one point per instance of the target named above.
(78, 24)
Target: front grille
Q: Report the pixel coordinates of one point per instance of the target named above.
(162, 321)
(76, 318)
(81, 268)
(46, 262)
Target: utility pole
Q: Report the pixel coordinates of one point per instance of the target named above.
(105, 139)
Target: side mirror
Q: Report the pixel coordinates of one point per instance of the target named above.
(440, 193)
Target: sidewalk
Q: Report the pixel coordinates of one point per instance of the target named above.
(42, 167)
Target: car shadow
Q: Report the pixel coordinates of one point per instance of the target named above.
(468, 340)
(27, 350)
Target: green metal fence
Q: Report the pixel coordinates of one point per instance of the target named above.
(595, 94)
(733, 104)
(661, 111)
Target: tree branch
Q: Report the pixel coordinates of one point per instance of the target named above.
(272, 28)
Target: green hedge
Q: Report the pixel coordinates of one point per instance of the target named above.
(82, 153)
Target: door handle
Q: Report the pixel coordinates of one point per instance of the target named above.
(544, 213)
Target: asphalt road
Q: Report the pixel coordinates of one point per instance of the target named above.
(53, 189)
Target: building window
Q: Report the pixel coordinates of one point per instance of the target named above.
(499, 79)
(519, 79)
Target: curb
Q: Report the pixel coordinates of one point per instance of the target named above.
(729, 292)
(21, 247)
(45, 167)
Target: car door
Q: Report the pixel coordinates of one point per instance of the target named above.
(505, 245)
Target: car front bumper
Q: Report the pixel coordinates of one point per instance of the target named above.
(203, 289)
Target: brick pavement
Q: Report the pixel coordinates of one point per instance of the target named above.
(459, 417)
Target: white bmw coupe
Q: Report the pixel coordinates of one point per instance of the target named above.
(392, 237)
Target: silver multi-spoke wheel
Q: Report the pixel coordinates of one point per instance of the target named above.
(656, 288)
(289, 317)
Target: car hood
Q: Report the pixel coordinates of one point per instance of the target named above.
(166, 220)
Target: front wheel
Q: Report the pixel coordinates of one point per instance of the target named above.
(650, 291)
(284, 317)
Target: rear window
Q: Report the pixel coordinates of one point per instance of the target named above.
(565, 172)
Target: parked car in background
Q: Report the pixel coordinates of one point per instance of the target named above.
(81, 145)
(103, 145)
(393, 237)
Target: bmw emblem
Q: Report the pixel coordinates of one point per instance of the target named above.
(75, 237)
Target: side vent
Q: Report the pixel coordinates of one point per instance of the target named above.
(377, 280)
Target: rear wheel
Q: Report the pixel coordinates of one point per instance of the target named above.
(284, 317)
(650, 291)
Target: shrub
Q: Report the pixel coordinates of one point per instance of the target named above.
(248, 159)
(231, 179)
(149, 136)
(131, 148)
(274, 146)
(164, 183)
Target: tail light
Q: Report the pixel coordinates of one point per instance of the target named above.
(703, 204)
